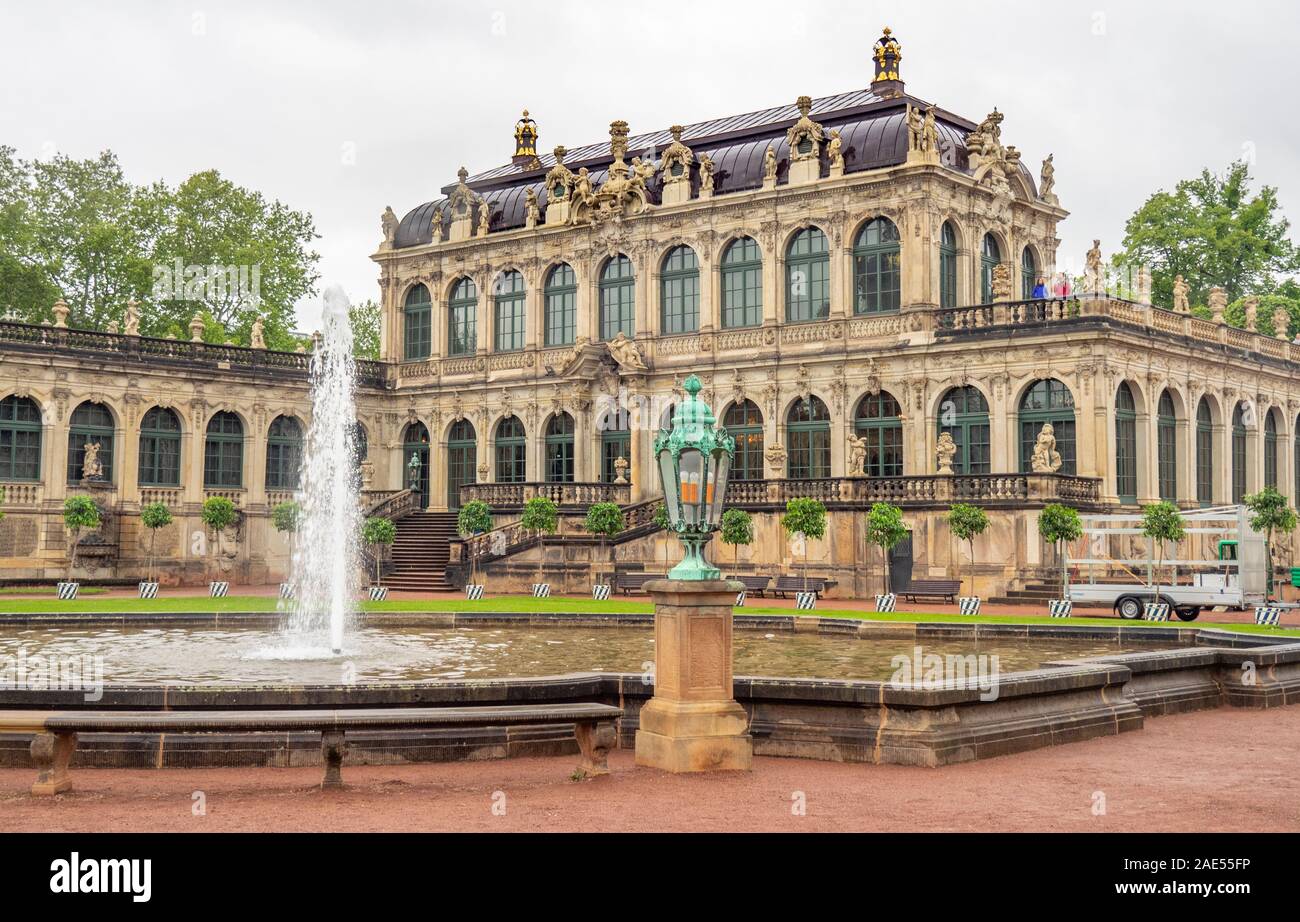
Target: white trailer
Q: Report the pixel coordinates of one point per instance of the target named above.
(1221, 561)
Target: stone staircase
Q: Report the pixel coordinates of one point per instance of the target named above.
(421, 552)
(1033, 593)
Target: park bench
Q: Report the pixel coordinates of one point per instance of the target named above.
(56, 732)
(632, 582)
(788, 584)
(754, 585)
(946, 589)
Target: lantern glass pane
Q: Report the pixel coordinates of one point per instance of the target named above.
(691, 483)
(718, 487)
(672, 498)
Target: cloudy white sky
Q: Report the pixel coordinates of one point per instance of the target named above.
(342, 108)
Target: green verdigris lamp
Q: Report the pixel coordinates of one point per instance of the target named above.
(694, 463)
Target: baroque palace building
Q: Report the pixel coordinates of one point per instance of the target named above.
(852, 277)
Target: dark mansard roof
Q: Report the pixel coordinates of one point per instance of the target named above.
(873, 129)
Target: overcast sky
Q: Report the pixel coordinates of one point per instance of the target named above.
(342, 108)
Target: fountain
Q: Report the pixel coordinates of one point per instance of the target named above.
(325, 576)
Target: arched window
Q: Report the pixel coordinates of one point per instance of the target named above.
(1047, 402)
(417, 326)
(742, 284)
(1167, 448)
(1204, 453)
(20, 439)
(223, 451)
(990, 256)
(744, 422)
(160, 449)
(461, 318)
(617, 298)
(1028, 273)
(1295, 450)
(283, 453)
(807, 277)
(876, 286)
(879, 421)
(415, 444)
(964, 415)
(559, 449)
(679, 292)
(561, 294)
(1125, 445)
(91, 423)
(615, 443)
(808, 435)
(1239, 453)
(462, 460)
(1270, 450)
(509, 312)
(947, 266)
(512, 451)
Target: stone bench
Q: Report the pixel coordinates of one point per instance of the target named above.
(55, 738)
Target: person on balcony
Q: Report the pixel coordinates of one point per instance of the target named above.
(1040, 289)
(1060, 286)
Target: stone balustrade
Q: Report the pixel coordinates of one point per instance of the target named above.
(1022, 490)
(512, 495)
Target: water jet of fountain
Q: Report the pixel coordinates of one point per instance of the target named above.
(326, 563)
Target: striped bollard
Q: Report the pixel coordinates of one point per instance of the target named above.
(378, 593)
(600, 592)
(1268, 615)
(68, 591)
(1059, 608)
(886, 602)
(805, 601)
(968, 604)
(217, 589)
(148, 589)
(474, 591)
(541, 590)
(1155, 611)
(740, 599)
(286, 590)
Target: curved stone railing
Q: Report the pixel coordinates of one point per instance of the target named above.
(511, 538)
(510, 495)
(389, 504)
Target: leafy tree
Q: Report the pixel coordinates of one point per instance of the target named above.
(474, 518)
(154, 516)
(79, 512)
(1212, 231)
(806, 519)
(736, 528)
(364, 318)
(378, 532)
(968, 523)
(26, 289)
(1161, 522)
(1235, 313)
(1058, 524)
(885, 529)
(1269, 512)
(218, 514)
(286, 518)
(604, 520)
(542, 518)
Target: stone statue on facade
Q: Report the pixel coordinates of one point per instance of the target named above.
(915, 128)
(622, 348)
(835, 150)
(930, 132)
(769, 165)
(388, 221)
(60, 310)
(1218, 303)
(484, 217)
(1181, 291)
(620, 469)
(1281, 319)
(132, 317)
(706, 174)
(91, 467)
(1002, 287)
(1046, 459)
(112, 327)
(985, 142)
(677, 159)
(1093, 274)
(256, 338)
(532, 213)
(805, 136)
(196, 328)
(1251, 307)
(1047, 180)
(775, 455)
(435, 226)
(945, 451)
(1143, 285)
(857, 455)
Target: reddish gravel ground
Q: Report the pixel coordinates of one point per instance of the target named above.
(1222, 770)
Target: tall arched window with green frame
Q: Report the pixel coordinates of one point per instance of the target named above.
(283, 453)
(509, 312)
(742, 284)
(561, 296)
(947, 265)
(807, 277)
(559, 449)
(1239, 417)
(617, 298)
(417, 324)
(744, 422)
(964, 415)
(462, 459)
(91, 423)
(1125, 445)
(990, 256)
(20, 439)
(679, 291)
(1047, 402)
(223, 451)
(1295, 450)
(511, 451)
(160, 449)
(1204, 453)
(876, 279)
(462, 318)
(879, 421)
(808, 435)
(1167, 448)
(415, 445)
(1270, 450)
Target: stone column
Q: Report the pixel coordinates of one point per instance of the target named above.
(693, 722)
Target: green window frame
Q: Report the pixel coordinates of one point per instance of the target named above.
(462, 311)
(614, 444)
(876, 276)
(511, 444)
(223, 451)
(462, 460)
(90, 422)
(879, 421)
(1047, 401)
(807, 277)
(679, 292)
(160, 449)
(1028, 273)
(417, 324)
(744, 422)
(1295, 450)
(1270, 450)
(1204, 454)
(283, 454)
(559, 449)
(742, 284)
(1167, 448)
(561, 296)
(990, 256)
(1238, 455)
(947, 266)
(415, 441)
(964, 415)
(617, 298)
(20, 439)
(808, 436)
(1126, 476)
(509, 312)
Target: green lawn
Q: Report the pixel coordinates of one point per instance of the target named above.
(48, 590)
(578, 605)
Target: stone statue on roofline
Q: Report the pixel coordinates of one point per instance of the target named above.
(1093, 273)
(256, 338)
(835, 150)
(1181, 291)
(769, 164)
(1251, 307)
(706, 174)
(132, 318)
(532, 212)
(1218, 303)
(1047, 181)
(388, 221)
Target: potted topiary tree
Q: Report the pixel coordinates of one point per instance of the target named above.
(218, 514)
(153, 516)
(736, 528)
(474, 518)
(968, 523)
(286, 518)
(1269, 512)
(377, 533)
(542, 517)
(1058, 524)
(605, 520)
(804, 519)
(886, 530)
(1161, 522)
(79, 512)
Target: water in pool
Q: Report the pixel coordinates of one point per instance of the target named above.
(407, 654)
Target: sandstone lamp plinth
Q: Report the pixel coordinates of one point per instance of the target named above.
(693, 724)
